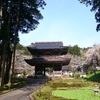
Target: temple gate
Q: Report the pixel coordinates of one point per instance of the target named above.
(48, 54)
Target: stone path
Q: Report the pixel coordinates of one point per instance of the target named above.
(23, 93)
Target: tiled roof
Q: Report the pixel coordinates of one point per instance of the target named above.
(48, 60)
(47, 45)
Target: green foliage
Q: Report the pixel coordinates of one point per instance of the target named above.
(94, 77)
(56, 85)
(21, 47)
(47, 96)
(69, 89)
(75, 50)
(26, 52)
(17, 16)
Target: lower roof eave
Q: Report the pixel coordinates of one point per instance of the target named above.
(48, 63)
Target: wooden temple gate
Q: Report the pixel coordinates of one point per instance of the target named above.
(48, 54)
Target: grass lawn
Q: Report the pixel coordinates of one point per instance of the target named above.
(70, 89)
(94, 77)
(69, 92)
(76, 94)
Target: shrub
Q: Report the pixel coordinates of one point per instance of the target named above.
(55, 85)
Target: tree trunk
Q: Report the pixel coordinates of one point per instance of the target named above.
(9, 55)
(4, 47)
(0, 31)
(5, 42)
(15, 43)
(4, 50)
(8, 66)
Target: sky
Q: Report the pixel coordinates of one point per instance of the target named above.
(68, 21)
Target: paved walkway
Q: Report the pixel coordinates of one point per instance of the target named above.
(23, 93)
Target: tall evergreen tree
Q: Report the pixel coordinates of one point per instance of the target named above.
(4, 39)
(17, 16)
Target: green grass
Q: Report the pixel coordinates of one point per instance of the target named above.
(17, 83)
(45, 91)
(94, 77)
(69, 92)
(76, 94)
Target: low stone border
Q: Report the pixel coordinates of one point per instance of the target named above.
(30, 96)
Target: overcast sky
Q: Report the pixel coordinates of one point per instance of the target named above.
(67, 21)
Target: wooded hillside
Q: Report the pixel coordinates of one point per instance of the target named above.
(79, 57)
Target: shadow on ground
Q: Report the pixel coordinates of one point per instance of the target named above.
(94, 77)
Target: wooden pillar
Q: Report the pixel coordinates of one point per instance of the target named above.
(38, 69)
(57, 70)
(35, 70)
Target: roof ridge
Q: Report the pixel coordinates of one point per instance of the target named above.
(48, 42)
